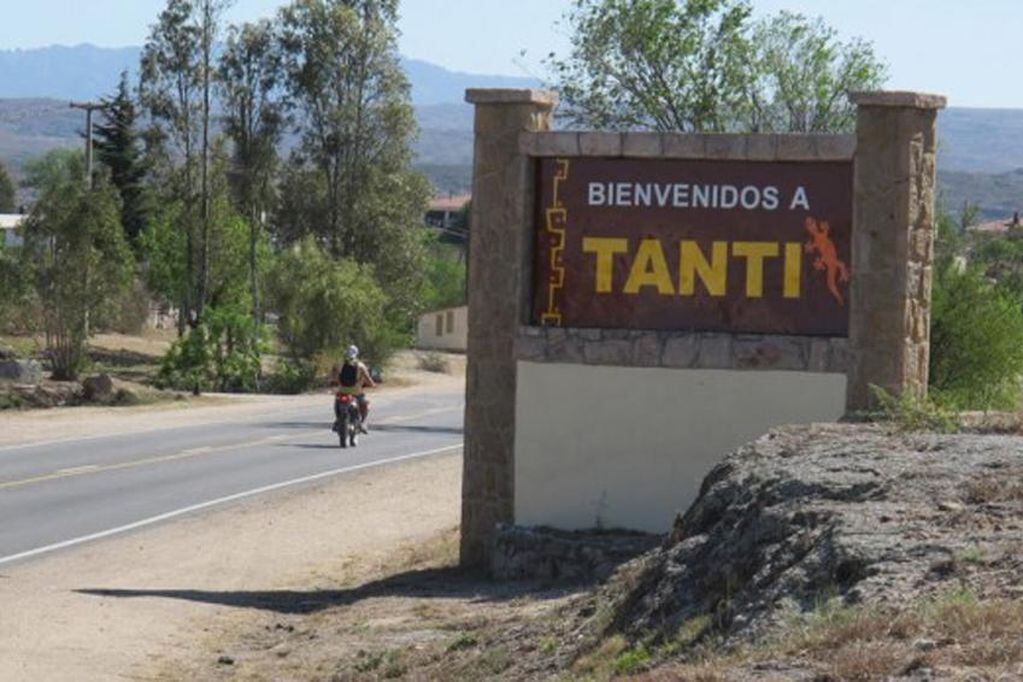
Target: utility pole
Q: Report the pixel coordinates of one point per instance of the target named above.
(89, 107)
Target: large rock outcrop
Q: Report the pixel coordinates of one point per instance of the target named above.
(854, 512)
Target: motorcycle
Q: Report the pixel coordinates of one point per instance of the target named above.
(349, 420)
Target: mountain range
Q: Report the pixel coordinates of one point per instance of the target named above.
(87, 72)
(980, 150)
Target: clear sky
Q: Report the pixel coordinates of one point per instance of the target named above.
(970, 51)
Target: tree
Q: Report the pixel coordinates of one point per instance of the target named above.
(976, 360)
(223, 351)
(657, 64)
(8, 198)
(118, 148)
(704, 66)
(176, 90)
(209, 12)
(803, 74)
(353, 114)
(353, 111)
(14, 291)
(75, 250)
(445, 282)
(325, 304)
(250, 80)
(227, 241)
(168, 90)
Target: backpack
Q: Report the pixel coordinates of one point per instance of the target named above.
(349, 375)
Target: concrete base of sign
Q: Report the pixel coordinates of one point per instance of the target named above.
(627, 447)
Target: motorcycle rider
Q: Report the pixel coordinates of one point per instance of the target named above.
(354, 379)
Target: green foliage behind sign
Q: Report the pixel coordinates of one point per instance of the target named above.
(705, 66)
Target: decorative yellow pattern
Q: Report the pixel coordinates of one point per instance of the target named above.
(557, 222)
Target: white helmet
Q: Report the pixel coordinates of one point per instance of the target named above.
(352, 353)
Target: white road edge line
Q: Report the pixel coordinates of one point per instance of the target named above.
(220, 500)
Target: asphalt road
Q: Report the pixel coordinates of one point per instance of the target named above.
(59, 495)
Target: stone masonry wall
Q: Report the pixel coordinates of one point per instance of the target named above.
(893, 244)
(721, 147)
(680, 350)
(498, 257)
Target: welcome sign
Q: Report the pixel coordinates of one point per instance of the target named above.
(723, 246)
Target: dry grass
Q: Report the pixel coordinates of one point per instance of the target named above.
(1005, 487)
(425, 620)
(958, 634)
(432, 361)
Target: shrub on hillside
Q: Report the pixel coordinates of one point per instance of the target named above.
(976, 342)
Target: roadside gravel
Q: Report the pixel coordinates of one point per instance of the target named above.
(129, 606)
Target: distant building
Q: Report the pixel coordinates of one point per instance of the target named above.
(446, 329)
(1011, 226)
(443, 212)
(8, 224)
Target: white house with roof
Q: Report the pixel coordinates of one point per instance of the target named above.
(8, 225)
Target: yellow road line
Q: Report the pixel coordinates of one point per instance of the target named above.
(98, 468)
(89, 469)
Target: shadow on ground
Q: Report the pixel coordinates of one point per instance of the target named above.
(438, 583)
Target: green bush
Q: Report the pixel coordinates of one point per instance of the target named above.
(976, 342)
(324, 304)
(445, 283)
(292, 377)
(224, 353)
(910, 413)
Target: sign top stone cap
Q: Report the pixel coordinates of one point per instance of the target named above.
(896, 98)
(511, 96)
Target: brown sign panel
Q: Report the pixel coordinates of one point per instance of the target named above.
(726, 246)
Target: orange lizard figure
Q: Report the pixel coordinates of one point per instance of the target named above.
(827, 256)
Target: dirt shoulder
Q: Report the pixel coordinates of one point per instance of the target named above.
(833, 551)
(154, 602)
(40, 426)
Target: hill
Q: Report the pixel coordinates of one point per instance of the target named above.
(64, 72)
(998, 195)
(30, 127)
(980, 140)
(87, 71)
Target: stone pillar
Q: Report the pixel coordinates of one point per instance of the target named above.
(499, 263)
(892, 243)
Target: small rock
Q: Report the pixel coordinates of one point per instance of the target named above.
(225, 660)
(99, 388)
